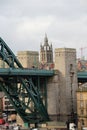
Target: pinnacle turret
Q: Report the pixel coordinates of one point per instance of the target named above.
(46, 40)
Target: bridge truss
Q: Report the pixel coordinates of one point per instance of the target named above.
(27, 93)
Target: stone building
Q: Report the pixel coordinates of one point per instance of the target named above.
(46, 53)
(62, 86)
(28, 59)
(6, 105)
(81, 65)
(3, 64)
(82, 106)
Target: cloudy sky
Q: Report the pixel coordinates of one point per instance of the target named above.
(23, 23)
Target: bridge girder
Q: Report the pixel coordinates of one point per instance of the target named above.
(21, 90)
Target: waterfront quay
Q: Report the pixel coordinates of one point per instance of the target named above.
(47, 126)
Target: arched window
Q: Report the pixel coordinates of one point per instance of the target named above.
(82, 122)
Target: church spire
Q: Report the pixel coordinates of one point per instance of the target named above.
(45, 40)
(46, 52)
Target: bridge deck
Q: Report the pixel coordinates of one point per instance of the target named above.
(25, 72)
(82, 74)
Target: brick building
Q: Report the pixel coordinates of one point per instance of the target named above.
(82, 106)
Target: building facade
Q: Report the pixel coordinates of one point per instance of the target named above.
(82, 106)
(3, 64)
(28, 59)
(7, 106)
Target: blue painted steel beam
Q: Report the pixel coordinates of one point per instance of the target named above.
(25, 72)
(32, 110)
(82, 75)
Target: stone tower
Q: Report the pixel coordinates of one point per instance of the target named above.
(28, 59)
(46, 52)
(65, 63)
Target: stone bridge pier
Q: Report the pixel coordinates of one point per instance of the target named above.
(61, 88)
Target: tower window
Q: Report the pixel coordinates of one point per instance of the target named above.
(82, 122)
(48, 48)
(45, 48)
(82, 111)
(59, 54)
(71, 67)
(81, 104)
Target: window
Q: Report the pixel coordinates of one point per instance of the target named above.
(48, 48)
(45, 48)
(7, 102)
(82, 111)
(6, 97)
(81, 104)
(82, 122)
(86, 103)
(71, 67)
(81, 96)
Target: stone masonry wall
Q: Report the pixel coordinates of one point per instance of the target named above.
(52, 96)
(59, 87)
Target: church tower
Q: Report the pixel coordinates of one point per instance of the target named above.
(46, 52)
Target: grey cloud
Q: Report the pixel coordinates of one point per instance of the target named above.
(37, 7)
(23, 23)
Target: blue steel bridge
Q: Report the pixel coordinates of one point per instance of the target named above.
(82, 76)
(26, 88)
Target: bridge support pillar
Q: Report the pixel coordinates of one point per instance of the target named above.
(59, 86)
